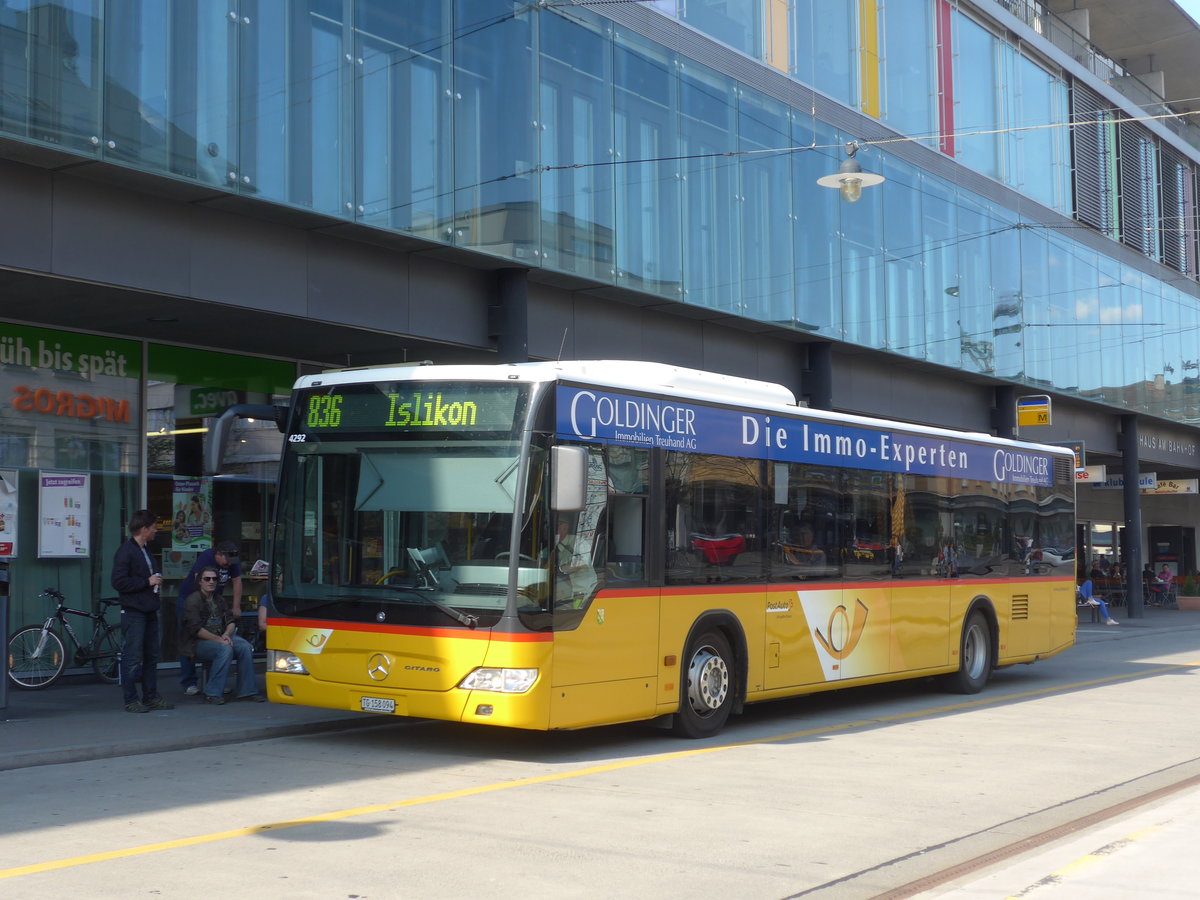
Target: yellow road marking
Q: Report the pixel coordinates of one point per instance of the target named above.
(337, 815)
(1085, 862)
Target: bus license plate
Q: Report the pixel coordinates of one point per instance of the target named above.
(378, 704)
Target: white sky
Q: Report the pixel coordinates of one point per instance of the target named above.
(1191, 7)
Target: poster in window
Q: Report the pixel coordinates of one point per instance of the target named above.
(191, 522)
(8, 512)
(64, 515)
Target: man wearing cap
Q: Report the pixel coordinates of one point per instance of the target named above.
(224, 557)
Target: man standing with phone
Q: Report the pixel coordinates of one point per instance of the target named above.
(137, 581)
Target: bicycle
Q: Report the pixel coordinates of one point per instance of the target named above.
(37, 655)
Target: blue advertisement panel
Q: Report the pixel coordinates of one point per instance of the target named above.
(590, 414)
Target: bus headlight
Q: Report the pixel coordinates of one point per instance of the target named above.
(285, 663)
(502, 681)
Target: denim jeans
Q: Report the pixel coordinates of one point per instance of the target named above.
(139, 654)
(219, 657)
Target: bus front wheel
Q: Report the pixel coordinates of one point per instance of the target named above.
(974, 658)
(707, 690)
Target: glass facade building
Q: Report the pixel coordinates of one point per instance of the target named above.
(562, 139)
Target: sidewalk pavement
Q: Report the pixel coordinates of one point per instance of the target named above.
(81, 718)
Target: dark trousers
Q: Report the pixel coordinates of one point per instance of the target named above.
(139, 654)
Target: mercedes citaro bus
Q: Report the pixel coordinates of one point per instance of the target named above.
(566, 544)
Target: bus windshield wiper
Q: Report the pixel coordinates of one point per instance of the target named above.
(424, 591)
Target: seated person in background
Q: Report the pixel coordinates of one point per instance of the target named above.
(210, 637)
(1160, 585)
(802, 551)
(1085, 594)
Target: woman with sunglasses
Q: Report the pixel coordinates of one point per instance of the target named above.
(209, 637)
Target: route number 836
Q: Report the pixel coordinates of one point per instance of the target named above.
(325, 411)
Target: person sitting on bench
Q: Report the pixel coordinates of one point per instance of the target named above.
(1089, 599)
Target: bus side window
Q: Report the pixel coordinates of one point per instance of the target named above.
(626, 526)
(627, 470)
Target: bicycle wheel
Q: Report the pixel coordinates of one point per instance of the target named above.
(106, 653)
(32, 662)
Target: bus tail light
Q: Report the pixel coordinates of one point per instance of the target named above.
(503, 681)
(285, 663)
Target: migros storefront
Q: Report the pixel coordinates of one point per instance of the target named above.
(93, 427)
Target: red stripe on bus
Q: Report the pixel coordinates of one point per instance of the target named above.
(371, 628)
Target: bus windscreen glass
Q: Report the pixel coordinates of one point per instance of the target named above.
(397, 502)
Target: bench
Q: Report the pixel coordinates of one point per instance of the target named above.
(1083, 606)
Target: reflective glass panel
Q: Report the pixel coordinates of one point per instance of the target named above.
(976, 91)
(975, 290)
(766, 248)
(708, 110)
(403, 117)
(909, 66)
(825, 46)
(576, 148)
(1134, 352)
(495, 127)
(903, 306)
(293, 108)
(50, 71)
(1113, 331)
(939, 235)
(737, 24)
(648, 177)
(168, 95)
(817, 240)
(863, 266)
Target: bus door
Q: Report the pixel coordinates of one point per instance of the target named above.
(605, 616)
(847, 606)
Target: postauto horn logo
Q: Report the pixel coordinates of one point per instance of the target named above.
(841, 635)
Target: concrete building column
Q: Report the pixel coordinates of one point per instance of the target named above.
(509, 325)
(1127, 441)
(1004, 413)
(816, 382)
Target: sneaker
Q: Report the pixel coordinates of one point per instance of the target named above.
(192, 690)
(254, 698)
(159, 703)
(215, 701)
(136, 707)
(1112, 622)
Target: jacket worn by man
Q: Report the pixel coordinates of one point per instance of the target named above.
(131, 577)
(200, 613)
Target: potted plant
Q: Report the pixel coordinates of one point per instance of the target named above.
(1189, 592)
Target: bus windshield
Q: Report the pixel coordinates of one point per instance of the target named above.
(397, 503)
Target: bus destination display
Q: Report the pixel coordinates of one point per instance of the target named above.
(411, 406)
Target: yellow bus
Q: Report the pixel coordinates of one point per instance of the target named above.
(567, 544)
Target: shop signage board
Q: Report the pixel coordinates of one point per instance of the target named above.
(1175, 486)
(1147, 481)
(8, 512)
(1033, 410)
(1091, 474)
(64, 515)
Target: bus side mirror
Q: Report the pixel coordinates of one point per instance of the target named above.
(218, 435)
(568, 488)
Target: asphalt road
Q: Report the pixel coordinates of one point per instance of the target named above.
(838, 795)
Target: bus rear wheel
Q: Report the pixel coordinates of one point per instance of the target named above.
(974, 658)
(707, 689)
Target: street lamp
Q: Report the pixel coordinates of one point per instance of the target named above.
(850, 179)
